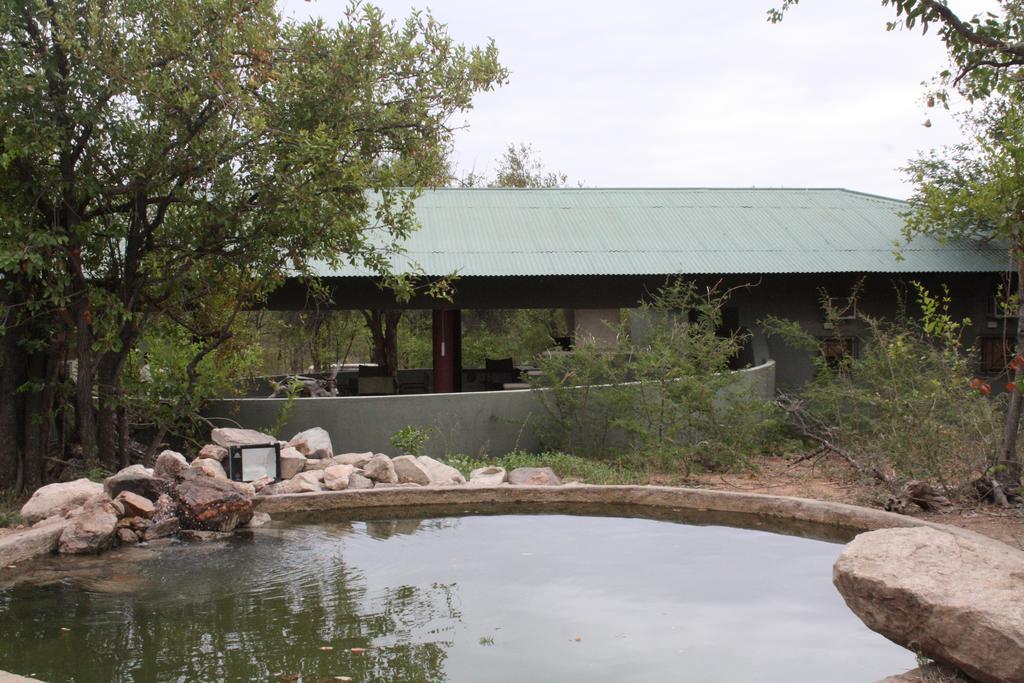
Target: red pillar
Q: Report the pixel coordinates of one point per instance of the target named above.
(447, 351)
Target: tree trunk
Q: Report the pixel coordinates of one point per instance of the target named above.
(1010, 470)
(384, 331)
(13, 365)
(85, 416)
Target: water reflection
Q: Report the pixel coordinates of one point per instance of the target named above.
(478, 598)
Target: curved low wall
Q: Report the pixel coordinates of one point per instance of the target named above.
(652, 501)
(472, 423)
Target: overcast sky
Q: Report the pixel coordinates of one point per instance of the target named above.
(684, 93)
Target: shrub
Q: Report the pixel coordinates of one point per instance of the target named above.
(410, 440)
(671, 397)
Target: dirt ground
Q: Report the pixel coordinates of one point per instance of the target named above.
(832, 482)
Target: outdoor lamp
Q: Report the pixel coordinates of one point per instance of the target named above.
(250, 462)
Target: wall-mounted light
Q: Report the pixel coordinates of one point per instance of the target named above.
(251, 462)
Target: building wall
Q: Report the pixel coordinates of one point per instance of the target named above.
(490, 422)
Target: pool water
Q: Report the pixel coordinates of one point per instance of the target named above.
(478, 598)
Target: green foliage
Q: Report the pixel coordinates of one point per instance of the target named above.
(97, 474)
(625, 470)
(10, 504)
(670, 395)
(410, 440)
(905, 407)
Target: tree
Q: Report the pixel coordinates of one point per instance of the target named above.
(174, 160)
(519, 166)
(975, 190)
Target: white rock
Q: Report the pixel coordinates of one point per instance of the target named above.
(292, 462)
(409, 470)
(170, 464)
(56, 499)
(91, 529)
(303, 482)
(336, 477)
(488, 476)
(214, 452)
(313, 443)
(440, 474)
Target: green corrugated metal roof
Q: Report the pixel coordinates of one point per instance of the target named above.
(527, 232)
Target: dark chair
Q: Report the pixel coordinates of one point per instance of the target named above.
(498, 372)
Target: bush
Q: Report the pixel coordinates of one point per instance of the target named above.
(908, 406)
(671, 397)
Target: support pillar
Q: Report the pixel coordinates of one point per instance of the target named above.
(447, 351)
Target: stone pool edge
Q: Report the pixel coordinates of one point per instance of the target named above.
(447, 498)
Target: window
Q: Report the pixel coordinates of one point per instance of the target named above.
(996, 353)
(836, 349)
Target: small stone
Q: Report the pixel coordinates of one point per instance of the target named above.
(259, 484)
(258, 519)
(357, 650)
(135, 505)
(358, 481)
(381, 470)
(127, 537)
(326, 648)
(336, 477)
(533, 476)
(313, 443)
(212, 451)
(354, 459)
(170, 464)
(488, 476)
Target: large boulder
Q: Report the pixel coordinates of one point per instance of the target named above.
(292, 462)
(952, 596)
(336, 477)
(138, 480)
(56, 499)
(25, 544)
(230, 436)
(313, 443)
(533, 476)
(170, 464)
(409, 470)
(439, 473)
(210, 504)
(91, 529)
(381, 470)
(488, 476)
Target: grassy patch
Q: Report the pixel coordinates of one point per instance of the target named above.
(568, 467)
(10, 504)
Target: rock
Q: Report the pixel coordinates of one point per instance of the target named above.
(209, 468)
(127, 536)
(91, 529)
(19, 546)
(317, 464)
(170, 464)
(258, 519)
(261, 483)
(928, 673)
(380, 469)
(488, 476)
(229, 436)
(212, 451)
(313, 443)
(135, 505)
(303, 482)
(408, 469)
(165, 520)
(336, 477)
(56, 499)
(292, 462)
(533, 476)
(244, 487)
(953, 597)
(133, 523)
(197, 535)
(358, 481)
(138, 480)
(440, 473)
(354, 459)
(210, 504)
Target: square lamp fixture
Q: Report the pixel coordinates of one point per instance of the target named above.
(250, 462)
